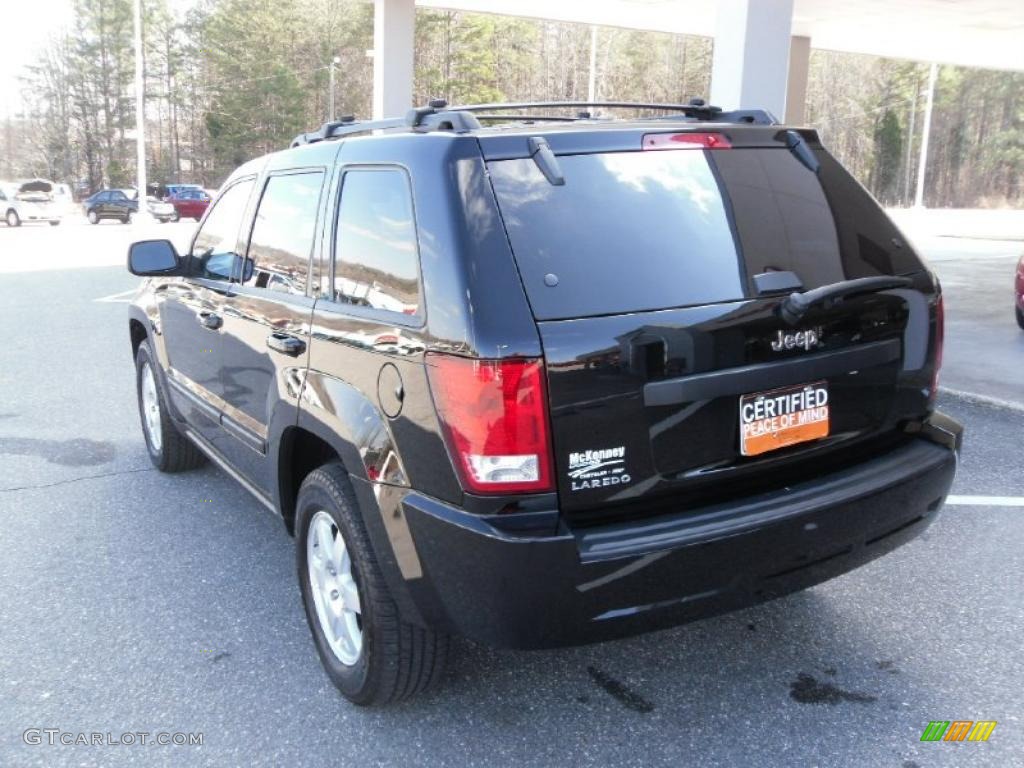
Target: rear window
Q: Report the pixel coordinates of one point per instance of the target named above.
(628, 231)
(636, 231)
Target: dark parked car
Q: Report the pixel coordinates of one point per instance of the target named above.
(189, 203)
(1018, 292)
(110, 204)
(543, 382)
(122, 204)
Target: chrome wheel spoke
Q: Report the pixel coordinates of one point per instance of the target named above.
(344, 561)
(350, 594)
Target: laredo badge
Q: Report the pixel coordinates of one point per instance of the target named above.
(598, 468)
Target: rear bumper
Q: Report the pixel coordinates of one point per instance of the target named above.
(489, 584)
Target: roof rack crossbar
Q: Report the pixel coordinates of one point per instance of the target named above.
(495, 106)
(696, 109)
(531, 118)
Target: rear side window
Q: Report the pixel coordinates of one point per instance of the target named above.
(629, 231)
(376, 259)
(781, 214)
(213, 253)
(869, 243)
(282, 235)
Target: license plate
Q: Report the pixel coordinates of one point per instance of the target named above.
(783, 417)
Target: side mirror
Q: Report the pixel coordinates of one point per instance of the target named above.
(154, 258)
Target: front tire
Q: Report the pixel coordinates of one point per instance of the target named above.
(368, 651)
(54, 223)
(169, 450)
(13, 219)
(93, 217)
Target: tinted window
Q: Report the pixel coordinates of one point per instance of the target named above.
(636, 231)
(118, 196)
(283, 233)
(782, 216)
(869, 243)
(213, 252)
(628, 231)
(376, 258)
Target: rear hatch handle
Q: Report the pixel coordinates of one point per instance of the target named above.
(796, 305)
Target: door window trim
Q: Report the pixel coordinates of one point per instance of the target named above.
(385, 316)
(209, 209)
(313, 260)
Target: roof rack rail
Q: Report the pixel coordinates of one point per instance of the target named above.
(696, 109)
(438, 116)
(346, 126)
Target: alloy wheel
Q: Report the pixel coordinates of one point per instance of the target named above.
(333, 586)
(150, 407)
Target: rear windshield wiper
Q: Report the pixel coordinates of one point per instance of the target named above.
(796, 304)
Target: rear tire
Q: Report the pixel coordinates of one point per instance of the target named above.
(1020, 318)
(13, 219)
(394, 660)
(169, 450)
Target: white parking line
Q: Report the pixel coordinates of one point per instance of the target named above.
(124, 297)
(985, 501)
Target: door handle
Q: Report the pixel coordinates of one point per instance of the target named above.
(210, 320)
(285, 344)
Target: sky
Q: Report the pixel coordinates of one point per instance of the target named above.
(26, 27)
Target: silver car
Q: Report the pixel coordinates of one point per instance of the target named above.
(29, 201)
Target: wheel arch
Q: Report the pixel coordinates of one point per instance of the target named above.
(299, 452)
(138, 333)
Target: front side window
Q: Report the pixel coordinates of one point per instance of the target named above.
(213, 251)
(376, 257)
(283, 233)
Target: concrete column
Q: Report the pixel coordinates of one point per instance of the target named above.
(394, 22)
(796, 89)
(751, 55)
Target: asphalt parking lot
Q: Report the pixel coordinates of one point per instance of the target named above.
(132, 601)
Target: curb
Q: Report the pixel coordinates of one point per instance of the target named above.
(983, 399)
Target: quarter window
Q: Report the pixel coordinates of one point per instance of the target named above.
(283, 234)
(376, 257)
(213, 252)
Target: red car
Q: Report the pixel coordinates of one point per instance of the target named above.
(1018, 292)
(189, 203)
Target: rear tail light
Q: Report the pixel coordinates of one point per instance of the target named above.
(940, 333)
(495, 421)
(696, 140)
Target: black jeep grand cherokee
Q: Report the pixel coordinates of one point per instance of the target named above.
(539, 381)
